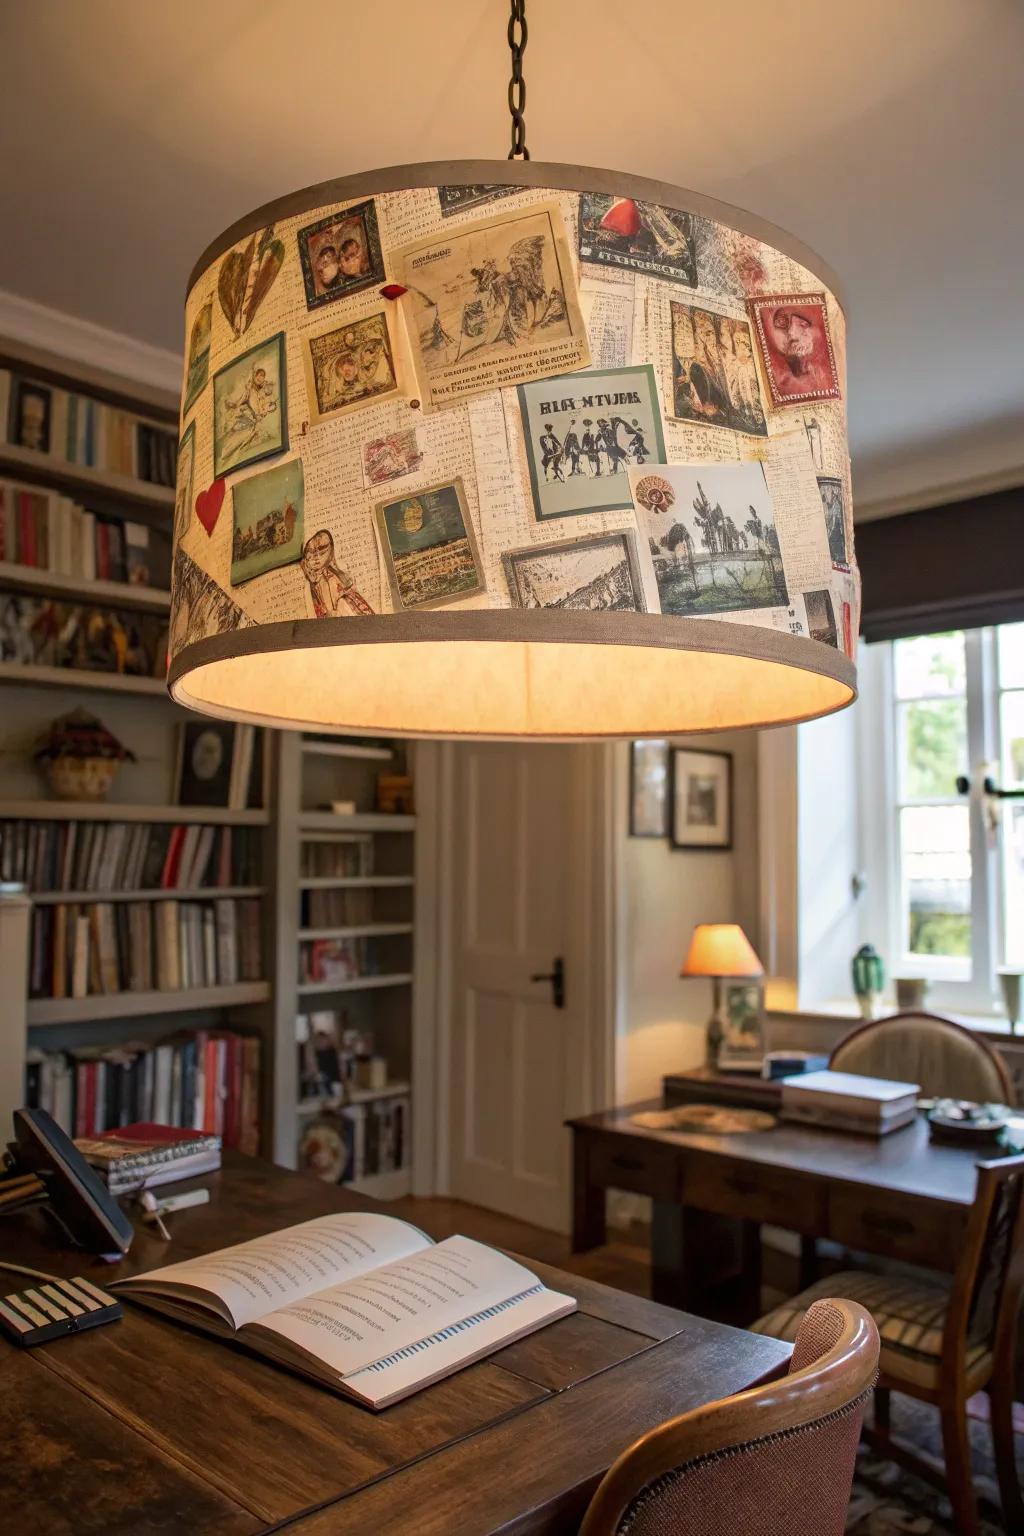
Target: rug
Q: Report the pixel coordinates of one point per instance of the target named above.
(889, 1501)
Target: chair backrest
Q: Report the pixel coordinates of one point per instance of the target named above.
(947, 1060)
(777, 1458)
(989, 1278)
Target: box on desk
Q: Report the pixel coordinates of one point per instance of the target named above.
(844, 1101)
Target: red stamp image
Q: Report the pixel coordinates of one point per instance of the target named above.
(796, 347)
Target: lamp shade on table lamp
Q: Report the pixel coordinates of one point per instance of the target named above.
(720, 950)
(504, 449)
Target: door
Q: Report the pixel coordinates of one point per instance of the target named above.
(523, 893)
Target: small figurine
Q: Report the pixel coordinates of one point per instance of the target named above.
(868, 979)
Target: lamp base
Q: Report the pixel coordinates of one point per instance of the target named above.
(715, 1032)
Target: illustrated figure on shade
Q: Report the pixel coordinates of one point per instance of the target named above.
(551, 454)
(794, 336)
(638, 443)
(591, 446)
(247, 410)
(332, 590)
(571, 450)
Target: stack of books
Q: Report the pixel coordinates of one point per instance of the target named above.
(844, 1101)
(202, 1080)
(143, 1156)
(333, 857)
(50, 532)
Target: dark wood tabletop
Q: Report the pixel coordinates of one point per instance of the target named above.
(147, 1426)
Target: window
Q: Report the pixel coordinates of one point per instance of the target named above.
(946, 868)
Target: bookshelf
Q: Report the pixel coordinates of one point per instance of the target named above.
(138, 710)
(373, 912)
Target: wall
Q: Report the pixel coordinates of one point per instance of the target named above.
(661, 895)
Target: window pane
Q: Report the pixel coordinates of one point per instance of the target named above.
(936, 863)
(929, 664)
(934, 748)
(1012, 754)
(1011, 655)
(1013, 884)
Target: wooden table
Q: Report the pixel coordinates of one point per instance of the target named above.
(145, 1426)
(899, 1196)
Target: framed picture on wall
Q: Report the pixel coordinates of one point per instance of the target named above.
(700, 799)
(648, 788)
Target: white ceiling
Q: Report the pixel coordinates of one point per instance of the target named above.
(888, 136)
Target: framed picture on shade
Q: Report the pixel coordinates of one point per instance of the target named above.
(700, 799)
(205, 752)
(648, 788)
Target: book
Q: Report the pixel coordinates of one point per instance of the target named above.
(361, 1303)
(146, 1155)
(848, 1101)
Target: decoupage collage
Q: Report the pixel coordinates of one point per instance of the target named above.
(498, 397)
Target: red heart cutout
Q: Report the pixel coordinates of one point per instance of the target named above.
(208, 505)
(622, 218)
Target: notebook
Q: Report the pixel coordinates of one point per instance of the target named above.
(362, 1303)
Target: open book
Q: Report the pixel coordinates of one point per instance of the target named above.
(362, 1303)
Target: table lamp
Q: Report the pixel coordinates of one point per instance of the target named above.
(719, 950)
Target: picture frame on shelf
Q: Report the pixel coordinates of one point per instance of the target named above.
(700, 800)
(648, 787)
(205, 752)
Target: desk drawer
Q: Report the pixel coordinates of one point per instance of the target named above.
(756, 1192)
(894, 1227)
(643, 1167)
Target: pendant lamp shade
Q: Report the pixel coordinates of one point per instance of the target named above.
(504, 449)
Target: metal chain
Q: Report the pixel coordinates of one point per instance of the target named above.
(517, 85)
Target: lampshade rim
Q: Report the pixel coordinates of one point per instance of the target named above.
(537, 626)
(517, 173)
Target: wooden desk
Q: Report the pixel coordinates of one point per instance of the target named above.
(898, 1196)
(146, 1426)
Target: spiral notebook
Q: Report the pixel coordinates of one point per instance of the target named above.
(361, 1303)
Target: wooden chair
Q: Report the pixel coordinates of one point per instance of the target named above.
(775, 1461)
(948, 1060)
(943, 1341)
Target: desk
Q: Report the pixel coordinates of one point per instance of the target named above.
(899, 1196)
(146, 1426)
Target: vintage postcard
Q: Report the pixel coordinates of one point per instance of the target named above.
(350, 366)
(429, 547)
(831, 488)
(198, 357)
(714, 375)
(796, 347)
(250, 407)
(492, 304)
(341, 254)
(637, 236)
(590, 574)
(582, 431)
(268, 527)
(458, 199)
(710, 531)
(246, 276)
(183, 482)
(332, 593)
(391, 457)
(821, 617)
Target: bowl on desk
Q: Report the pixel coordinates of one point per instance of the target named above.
(963, 1123)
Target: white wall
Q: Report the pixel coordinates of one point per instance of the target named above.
(662, 894)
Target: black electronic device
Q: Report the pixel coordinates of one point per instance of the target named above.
(44, 1165)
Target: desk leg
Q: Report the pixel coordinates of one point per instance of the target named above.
(589, 1227)
(705, 1263)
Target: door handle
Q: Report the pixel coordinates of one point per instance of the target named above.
(556, 976)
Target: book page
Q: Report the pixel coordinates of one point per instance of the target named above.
(245, 1281)
(353, 1325)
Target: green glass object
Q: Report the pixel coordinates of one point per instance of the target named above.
(868, 978)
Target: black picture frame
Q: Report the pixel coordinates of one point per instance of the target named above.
(655, 825)
(208, 788)
(714, 837)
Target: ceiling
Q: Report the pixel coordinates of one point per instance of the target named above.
(887, 136)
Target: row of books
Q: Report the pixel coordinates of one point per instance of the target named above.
(126, 856)
(43, 632)
(334, 960)
(207, 1080)
(50, 532)
(103, 948)
(357, 1141)
(336, 909)
(78, 429)
(342, 858)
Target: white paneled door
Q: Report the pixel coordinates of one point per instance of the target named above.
(522, 889)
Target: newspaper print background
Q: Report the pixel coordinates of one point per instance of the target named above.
(708, 552)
